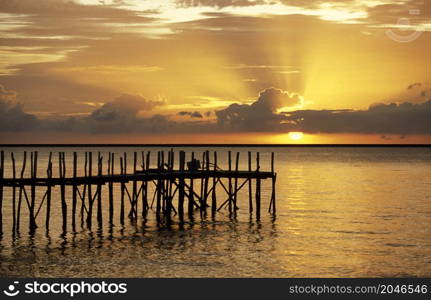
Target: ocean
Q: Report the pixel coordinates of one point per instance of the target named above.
(341, 212)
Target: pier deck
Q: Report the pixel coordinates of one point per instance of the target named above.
(139, 176)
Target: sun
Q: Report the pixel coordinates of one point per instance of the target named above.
(296, 136)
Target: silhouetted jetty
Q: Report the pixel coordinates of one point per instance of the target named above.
(172, 188)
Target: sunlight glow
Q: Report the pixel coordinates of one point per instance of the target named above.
(296, 136)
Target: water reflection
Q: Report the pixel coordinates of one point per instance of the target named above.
(341, 213)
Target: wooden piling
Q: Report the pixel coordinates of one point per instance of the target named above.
(48, 192)
(191, 193)
(214, 196)
(1, 190)
(89, 191)
(133, 209)
(158, 185)
(111, 188)
(272, 206)
(21, 189)
(162, 185)
(13, 194)
(32, 220)
(182, 161)
(123, 187)
(62, 172)
(235, 207)
(230, 182)
(83, 196)
(205, 179)
(250, 193)
(99, 190)
(74, 191)
(257, 187)
(145, 187)
(168, 187)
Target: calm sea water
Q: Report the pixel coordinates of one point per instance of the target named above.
(342, 212)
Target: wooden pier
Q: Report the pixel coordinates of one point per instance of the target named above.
(172, 187)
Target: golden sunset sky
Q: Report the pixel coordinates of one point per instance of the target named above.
(215, 71)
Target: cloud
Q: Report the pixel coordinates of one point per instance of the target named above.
(124, 115)
(393, 118)
(12, 117)
(6, 95)
(194, 114)
(123, 108)
(261, 115)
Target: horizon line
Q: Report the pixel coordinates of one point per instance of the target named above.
(224, 145)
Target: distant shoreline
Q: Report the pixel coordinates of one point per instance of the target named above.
(226, 145)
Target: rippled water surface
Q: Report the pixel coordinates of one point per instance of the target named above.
(341, 212)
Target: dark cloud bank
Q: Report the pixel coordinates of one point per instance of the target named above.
(122, 115)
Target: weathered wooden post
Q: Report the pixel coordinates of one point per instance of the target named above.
(111, 188)
(1, 190)
(272, 207)
(230, 181)
(99, 189)
(235, 196)
(205, 193)
(48, 192)
(257, 187)
(191, 192)
(162, 181)
(32, 221)
(21, 189)
(201, 200)
(123, 187)
(181, 186)
(74, 190)
(145, 187)
(250, 193)
(158, 185)
(168, 187)
(171, 180)
(13, 194)
(134, 206)
(62, 172)
(90, 192)
(214, 196)
(85, 188)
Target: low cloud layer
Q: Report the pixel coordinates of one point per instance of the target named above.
(404, 118)
(124, 113)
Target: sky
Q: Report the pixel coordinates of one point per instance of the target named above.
(215, 71)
